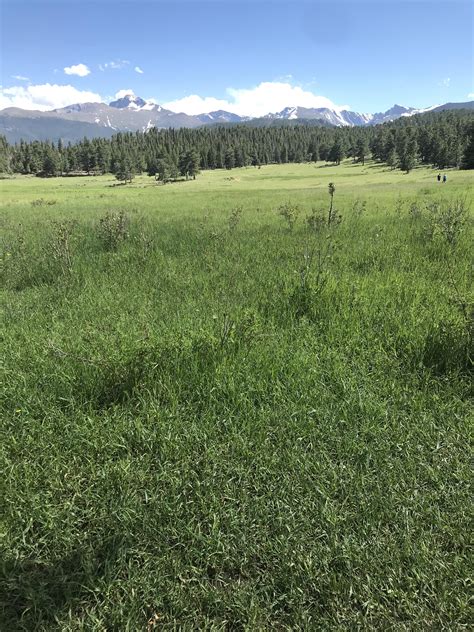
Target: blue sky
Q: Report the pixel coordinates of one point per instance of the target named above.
(240, 55)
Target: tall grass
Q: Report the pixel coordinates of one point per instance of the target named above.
(214, 422)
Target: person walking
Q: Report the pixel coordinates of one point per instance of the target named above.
(439, 177)
(444, 178)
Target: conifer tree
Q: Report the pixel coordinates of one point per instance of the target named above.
(468, 156)
(5, 157)
(362, 149)
(51, 163)
(392, 158)
(229, 160)
(408, 158)
(336, 153)
(124, 170)
(189, 163)
(166, 170)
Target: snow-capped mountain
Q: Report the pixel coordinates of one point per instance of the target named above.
(288, 113)
(336, 117)
(340, 118)
(132, 102)
(129, 101)
(391, 114)
(132, 113)
(221, 116)
(344, 118)
(129, 113)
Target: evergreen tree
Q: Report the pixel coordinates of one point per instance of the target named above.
(211, 158)
(468, 156)
(5, 157)
(229, 160)
(408, 158)
(313, 151)
(163, 173)
(124, 170)
(167, 170)
(239, 157)
(362, 149)
(189, 163)
(336, 153)
(103, 157)
(87, 156)
(388, 149)
(51, 164)
(392, 158)
(65, 166)
(377, 145)
(35, 157)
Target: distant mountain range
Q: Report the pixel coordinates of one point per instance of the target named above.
(131, 113)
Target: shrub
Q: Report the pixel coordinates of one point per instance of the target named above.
(290, 213)
(113, 229)
(316, 220)
(60, 245)
(43, 202)
(415, 211)
(359, 207)
(313, 276)
(447, 219)
(235, 217)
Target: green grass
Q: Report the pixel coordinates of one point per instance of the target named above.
(206, 428)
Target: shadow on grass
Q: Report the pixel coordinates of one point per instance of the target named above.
(35, 593)
(181, 368)
(449, 348)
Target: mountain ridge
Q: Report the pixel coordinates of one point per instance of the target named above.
(131, 113)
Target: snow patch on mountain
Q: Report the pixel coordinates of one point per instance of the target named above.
(220, 116)
(129, 101)
(151, 105)
(420, 110)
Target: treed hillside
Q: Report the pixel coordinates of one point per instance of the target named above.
(441, 139)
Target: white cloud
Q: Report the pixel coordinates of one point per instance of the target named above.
(268, 96)
(117, 64)
(470, 95)
(81, 70)
(257, 101)
(139, 70)
(20, 78)
(123, 93)
(44, 97)
(195, 104)
(446, 82)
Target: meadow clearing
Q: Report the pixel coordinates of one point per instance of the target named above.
(221, 413)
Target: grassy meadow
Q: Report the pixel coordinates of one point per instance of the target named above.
(220, 413)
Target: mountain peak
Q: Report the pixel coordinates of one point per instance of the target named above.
(128, 101)
(398, 109)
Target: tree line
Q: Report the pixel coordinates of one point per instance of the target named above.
(443, 139)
